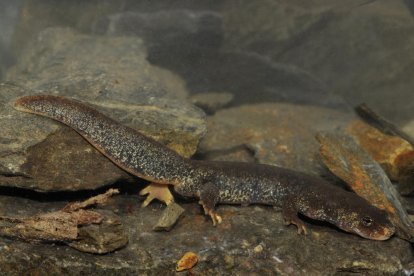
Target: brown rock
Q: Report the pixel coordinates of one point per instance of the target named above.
(393, 153)
(278, 134)
(347, 160)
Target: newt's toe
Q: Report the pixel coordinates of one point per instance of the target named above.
(302, 229)
(215, 218)
(299, 224)
(157, 191)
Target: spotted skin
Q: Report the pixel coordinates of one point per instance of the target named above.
(126, 147)
(215, 182)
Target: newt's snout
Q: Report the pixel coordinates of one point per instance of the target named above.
(370, 223)
(376, 232)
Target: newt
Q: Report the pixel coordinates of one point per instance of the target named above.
(214, 182)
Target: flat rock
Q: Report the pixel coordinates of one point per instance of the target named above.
(250, 240)
(277, 134)
(169, 217)
(111, 74)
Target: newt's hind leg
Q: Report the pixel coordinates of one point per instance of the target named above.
(157, 191)
(209, 196)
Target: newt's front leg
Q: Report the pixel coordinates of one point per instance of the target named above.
(209, 197)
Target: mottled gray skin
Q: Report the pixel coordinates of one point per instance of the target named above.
(294, 192)
(126, 147)
(216, 182)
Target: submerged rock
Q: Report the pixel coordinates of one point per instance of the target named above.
(111, 74)
(393, 153)
(169, 217)
(276, 134)
(349, 161)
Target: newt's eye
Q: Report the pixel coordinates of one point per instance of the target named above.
(367, 221)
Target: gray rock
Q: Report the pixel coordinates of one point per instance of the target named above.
(113, 75)
(95, 67)
(277, 134)
(169, 217)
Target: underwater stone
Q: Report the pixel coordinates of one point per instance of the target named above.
(111, 74)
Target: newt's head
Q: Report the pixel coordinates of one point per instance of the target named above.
(354, 214)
